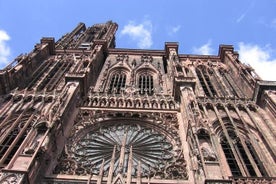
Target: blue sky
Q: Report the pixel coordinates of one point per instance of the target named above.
(199, 26)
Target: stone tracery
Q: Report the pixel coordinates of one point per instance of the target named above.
(115, 143)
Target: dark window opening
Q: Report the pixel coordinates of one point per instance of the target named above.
(205, 82)
(165, 64)
(256, 159)
(230, 158)
(117, 83)
(146, 85)
(246, 159)
(231, 134)
(179, 68)
(203, 85)
(56, 77)
(242, 153)
(42, 128)
(232, 84)
(228, 83)
(49, 76)
(39, 72)
(8, 141)
(202, 134)
(14, 149)
(209, 84)
(56, 71)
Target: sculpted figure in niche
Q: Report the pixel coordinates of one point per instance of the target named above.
(205, 146)
(207, 152)
(40, 129)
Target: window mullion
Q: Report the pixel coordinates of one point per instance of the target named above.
(251, 159)
(118, 86)
(149, 88)
(115, 83)
(124, 81)
(17, 138)
(147, 84)
(230, 157)
(229, 140)
(151, 80)
(243, 155)
(206, 79)
(111, 83)
(142, 85)
(202, 82)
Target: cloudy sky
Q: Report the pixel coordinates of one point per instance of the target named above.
(199, 26)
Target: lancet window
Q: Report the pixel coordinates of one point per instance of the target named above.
(8, 141)
(117, 82)
(239, 152)
(205, 81)
(256, 159)
(179, 68)
(145, 84)
(230, 84)
(54, 75)
(13, 139)
(230, 157)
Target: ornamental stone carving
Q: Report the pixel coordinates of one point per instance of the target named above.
(11, 178)
(116, 140)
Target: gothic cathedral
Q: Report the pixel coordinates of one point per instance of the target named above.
(80, 110)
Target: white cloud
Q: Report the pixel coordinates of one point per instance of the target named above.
(241, 17)
(4, 49)
(260, 58)
(267, 23)
(205, 49)
(273, 23)
(174, 29)
(139, 32)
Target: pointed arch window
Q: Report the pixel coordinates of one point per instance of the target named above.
(14, 138)
(245, 158)
(8, 141)
(179, 69)
(117, 82)
(205, 81)
(229, 155)
(145, 84)
(230, 83)
(256, 158)
(238, 151)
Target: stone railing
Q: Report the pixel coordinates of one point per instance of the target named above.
(254, 180)
(155, 101)
(243, 180)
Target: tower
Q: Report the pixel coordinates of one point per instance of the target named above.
(79, 110)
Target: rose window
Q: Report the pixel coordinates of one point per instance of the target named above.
(118, 145)
(139, 149)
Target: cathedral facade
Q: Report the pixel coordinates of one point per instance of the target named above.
(80, 110)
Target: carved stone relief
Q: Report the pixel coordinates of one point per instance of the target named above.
(11, 178)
